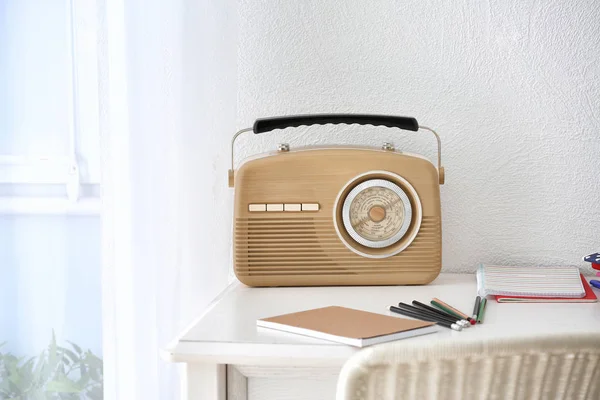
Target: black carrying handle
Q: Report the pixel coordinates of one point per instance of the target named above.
(263, 125)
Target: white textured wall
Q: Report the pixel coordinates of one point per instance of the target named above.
(512, 86)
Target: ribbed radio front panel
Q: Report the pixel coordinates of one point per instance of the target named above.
(310, 246)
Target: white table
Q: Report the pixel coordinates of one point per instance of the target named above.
(227, 356)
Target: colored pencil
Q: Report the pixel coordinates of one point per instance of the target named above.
(464, 322)
(476, 308)
(448, 308)
(481, 312)
(418, 310)
(422, 317)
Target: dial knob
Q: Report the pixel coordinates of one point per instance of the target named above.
(377, 214)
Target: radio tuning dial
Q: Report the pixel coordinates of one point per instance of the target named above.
(377, 213)
(377, 217)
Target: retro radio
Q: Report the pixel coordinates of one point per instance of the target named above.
(337, 215)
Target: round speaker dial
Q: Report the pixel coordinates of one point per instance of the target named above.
(377, 213)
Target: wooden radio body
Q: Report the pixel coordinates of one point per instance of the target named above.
(336, 216)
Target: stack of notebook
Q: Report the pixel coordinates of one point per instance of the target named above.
(534, 284)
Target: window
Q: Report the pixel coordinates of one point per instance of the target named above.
(49, 144)
(49, 201)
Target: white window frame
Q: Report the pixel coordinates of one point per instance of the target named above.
(81, 34)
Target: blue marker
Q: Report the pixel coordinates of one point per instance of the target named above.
(593, 258)
(595, 283)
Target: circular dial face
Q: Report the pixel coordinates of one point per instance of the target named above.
(377, 213)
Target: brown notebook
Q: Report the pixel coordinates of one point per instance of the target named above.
(348, 326)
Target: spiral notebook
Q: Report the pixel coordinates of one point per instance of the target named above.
(589, 297)
(564, 282)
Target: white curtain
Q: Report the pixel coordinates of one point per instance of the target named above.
(168, 96)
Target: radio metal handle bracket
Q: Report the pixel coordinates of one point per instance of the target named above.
(263, 125)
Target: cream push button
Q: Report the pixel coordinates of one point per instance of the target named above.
(274, 207)
(257, 207)
(310, 206)
(292, 207)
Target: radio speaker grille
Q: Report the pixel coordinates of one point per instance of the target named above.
(310, 246)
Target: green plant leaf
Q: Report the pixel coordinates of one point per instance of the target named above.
(71, 356)
(92, 360)
(77, 348)
(82, 368)
(13, 390)
(94, 374)
(63, 386)
(13, 372)
(57, 373)
(39, 367)
(26, 374)
(11, 358)
(37, 394)
(83, 380)
(96, 393)
(52, 354)
(47, 373)
(4, 385)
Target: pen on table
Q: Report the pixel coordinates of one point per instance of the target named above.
(436, 313)
(464, 322)
(449, 309)
(592, 258)
(476, 308)
(451, 320)
(422, 317)
(595, 283)
(481, 312)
